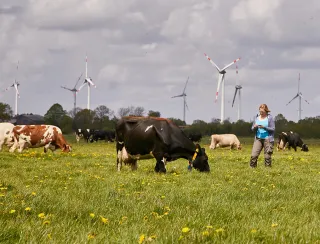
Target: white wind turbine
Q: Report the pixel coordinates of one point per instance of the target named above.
(184, 100)
(87, 81)
(299, 95)
(15, 85)
(74, 91)
(221, 80)
(238, 87)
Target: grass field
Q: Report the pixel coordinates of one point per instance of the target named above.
(81, 198)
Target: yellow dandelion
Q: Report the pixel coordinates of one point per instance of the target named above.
(209, 227)
(141, 238)
(274, 225)
(205, 233)
(41, 215)
(33, 193)
(49, 236)
(253, 231)
(220, 230)
(185, 230)
(46, 222)
(12, 211)
(163, 197)
(27, 209)
(91, 236)
(104, 220)
(92, 215)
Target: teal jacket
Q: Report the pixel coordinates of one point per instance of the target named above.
(270, 128)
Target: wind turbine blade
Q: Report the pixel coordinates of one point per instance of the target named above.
(66, 88)
(177, 96)
(185, 86)
(234, 61)
(84, 83)
(89, 80)
(293, 99)
(78, 81)
(16, 87)
(234, 97)
(219, 82)
(8, 88)
(212, 62)
(187, 105)
(303, 98)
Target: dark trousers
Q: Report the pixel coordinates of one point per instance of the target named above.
(258, 144)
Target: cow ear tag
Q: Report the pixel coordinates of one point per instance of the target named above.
(195, 154)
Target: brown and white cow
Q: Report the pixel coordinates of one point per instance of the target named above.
(225, 140)
(6, 135)
(33, 136)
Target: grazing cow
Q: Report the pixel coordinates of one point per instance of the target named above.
(291, 139)
(106, 135)
(47, 136)
(225, 140)
(159, 138)
(195, 137)
(6, 135)
(85, 133)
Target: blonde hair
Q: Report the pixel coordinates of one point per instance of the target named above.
(264, 107)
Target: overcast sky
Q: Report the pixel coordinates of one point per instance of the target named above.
(140, 53)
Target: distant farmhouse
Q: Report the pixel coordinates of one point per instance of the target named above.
(28, 119)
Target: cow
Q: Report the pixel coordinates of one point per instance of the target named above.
(225, 140)
(291, 139)
(6, 135)
(33, 136)
(140, 138)
(106, 135)
(195, 137)
(85, 133)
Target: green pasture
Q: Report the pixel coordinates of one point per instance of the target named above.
(80, 198)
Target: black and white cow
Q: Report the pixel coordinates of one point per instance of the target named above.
(85, 133)
(195, 137)
(106, 135)
(291, 139)
(150, 137)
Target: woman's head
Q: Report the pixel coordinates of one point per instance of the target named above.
(264, 108)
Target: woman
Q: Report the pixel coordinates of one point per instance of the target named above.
(263, 127)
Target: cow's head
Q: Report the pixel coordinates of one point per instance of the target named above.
(304, 148)
(66, 148)
(200, 161)
(239, 147)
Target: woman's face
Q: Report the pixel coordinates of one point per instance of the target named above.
(262, 112)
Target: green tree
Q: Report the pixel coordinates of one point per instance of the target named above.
(132, 111)
(5, 112)
(54, 115)
(152, 113)
(84, 119)
(178, 122)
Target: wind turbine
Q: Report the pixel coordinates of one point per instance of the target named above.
(15, 85)
(184, 100)
(87, 81)
(221, 80)
(74, 91)
(238, 88)
(299, 94)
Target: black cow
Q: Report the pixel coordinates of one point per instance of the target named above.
(106, 135)
(291, 139)
(85, 133)
(195, 137)
(159, 138)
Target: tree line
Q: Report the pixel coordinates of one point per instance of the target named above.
(104, 118)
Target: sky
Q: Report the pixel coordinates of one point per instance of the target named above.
(141, 53)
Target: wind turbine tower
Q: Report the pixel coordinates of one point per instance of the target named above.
(87, 81)
(17, 94)
(299, 95)
(221, 81)
(74, 91)
(238, 87)
(184, 100)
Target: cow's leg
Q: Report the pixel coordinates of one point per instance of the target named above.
(1, 143)
(134, 164)
(161, 165)
(256, 149)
